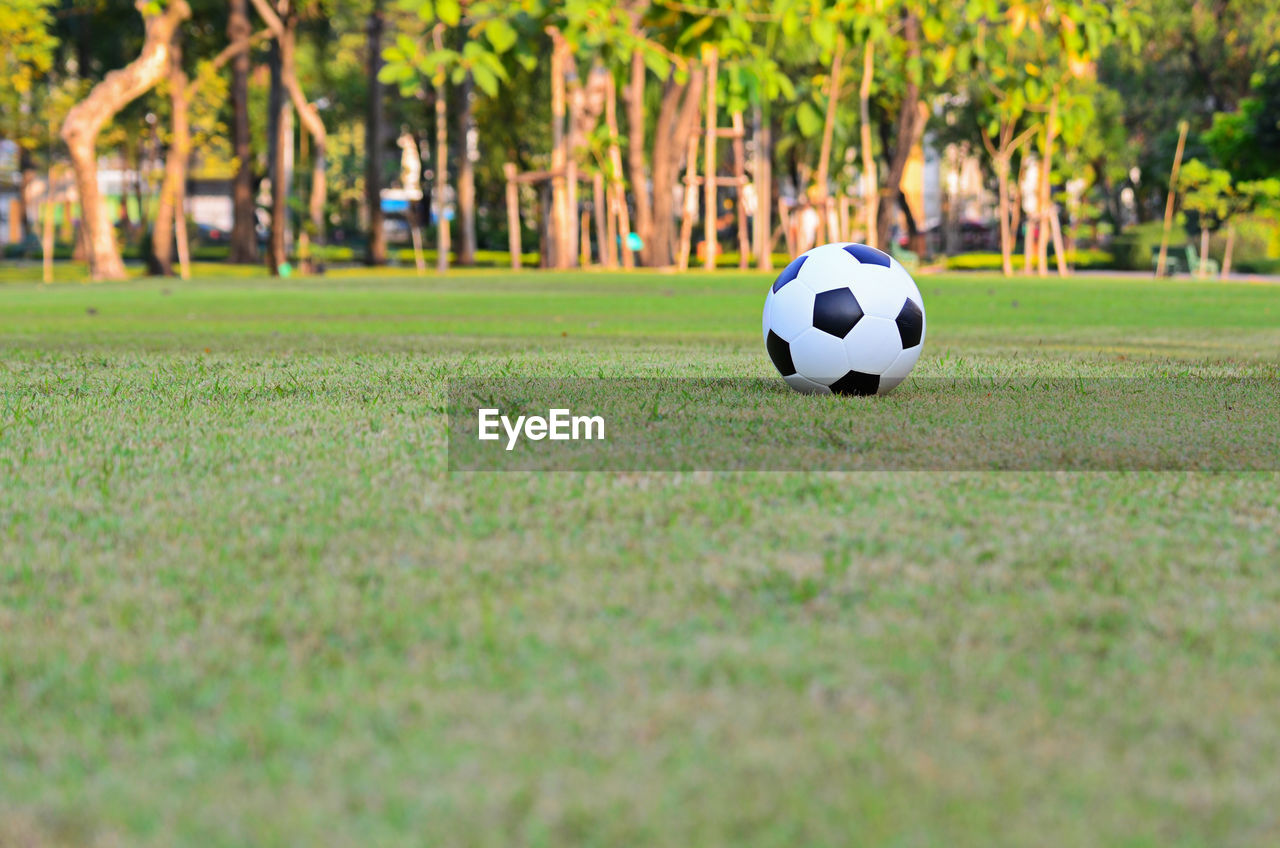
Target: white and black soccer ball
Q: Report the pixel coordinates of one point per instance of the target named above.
(844, 318)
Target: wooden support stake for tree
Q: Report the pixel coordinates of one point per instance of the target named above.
(740, 175)
(1056, 230)
(46, 241)
(870, 189)
(764, 191)
(573, 145)
(180, 233)
(608, 257)
(618, 194)
(415, 235)
(690, 210)
(1173, 193)
(712, 61)
(584, 239)
(513, 215)
(828, 130)
(559, 236)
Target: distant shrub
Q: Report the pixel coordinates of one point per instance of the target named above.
(1085, 258)
(1256, 266)
(1132, 248)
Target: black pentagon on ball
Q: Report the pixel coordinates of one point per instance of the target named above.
(910, 323)
(780, 353)
(857, 383)
(836, 312)
(789, 273)
(867, 255)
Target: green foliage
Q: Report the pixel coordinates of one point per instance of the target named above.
(1247, 141)
(26, 56)
(1208, 193)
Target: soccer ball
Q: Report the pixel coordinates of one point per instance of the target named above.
(844, 318)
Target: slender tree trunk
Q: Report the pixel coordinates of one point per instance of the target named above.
(279, 142)
(1006, 240)
(616, 188)
(709, 184)
(828, 132)
(561, 219)
(1045, 189)
(573, 143)
(764, 187)
(168, 210)
(442, 167)
(677, 121)
(636, 157)
(466, 175)
(1169, 201)
(910, 127)
(870, 191)
(244, 235)
(376, 252)
(81, 127)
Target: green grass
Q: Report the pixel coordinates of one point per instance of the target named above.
(242, 600)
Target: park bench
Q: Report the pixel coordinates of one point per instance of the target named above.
(1184, 259)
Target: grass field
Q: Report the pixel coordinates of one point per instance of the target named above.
(243, 601)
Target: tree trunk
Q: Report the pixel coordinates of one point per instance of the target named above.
(81, 127)
(677, 120)
(244, 236)
(168, 210)
(764, 187)
(561, 217)
(285, 35)
(828, 132)
(466, 175)
(870, 191)
(1006, 242)
(279, 142)
(442, 167)
(573, 143)
(636, 158)
(1045, 190)
(910, 127)
(376, 252)
(709, 167)
(617, 190)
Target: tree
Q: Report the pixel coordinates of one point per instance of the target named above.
(26, 56)
(376, 253)
(282, 22)
(1207, 193)
(170, 220)
(85, 120)
(244, 235)
(420, 57)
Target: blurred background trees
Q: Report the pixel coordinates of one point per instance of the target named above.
(300, 132)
